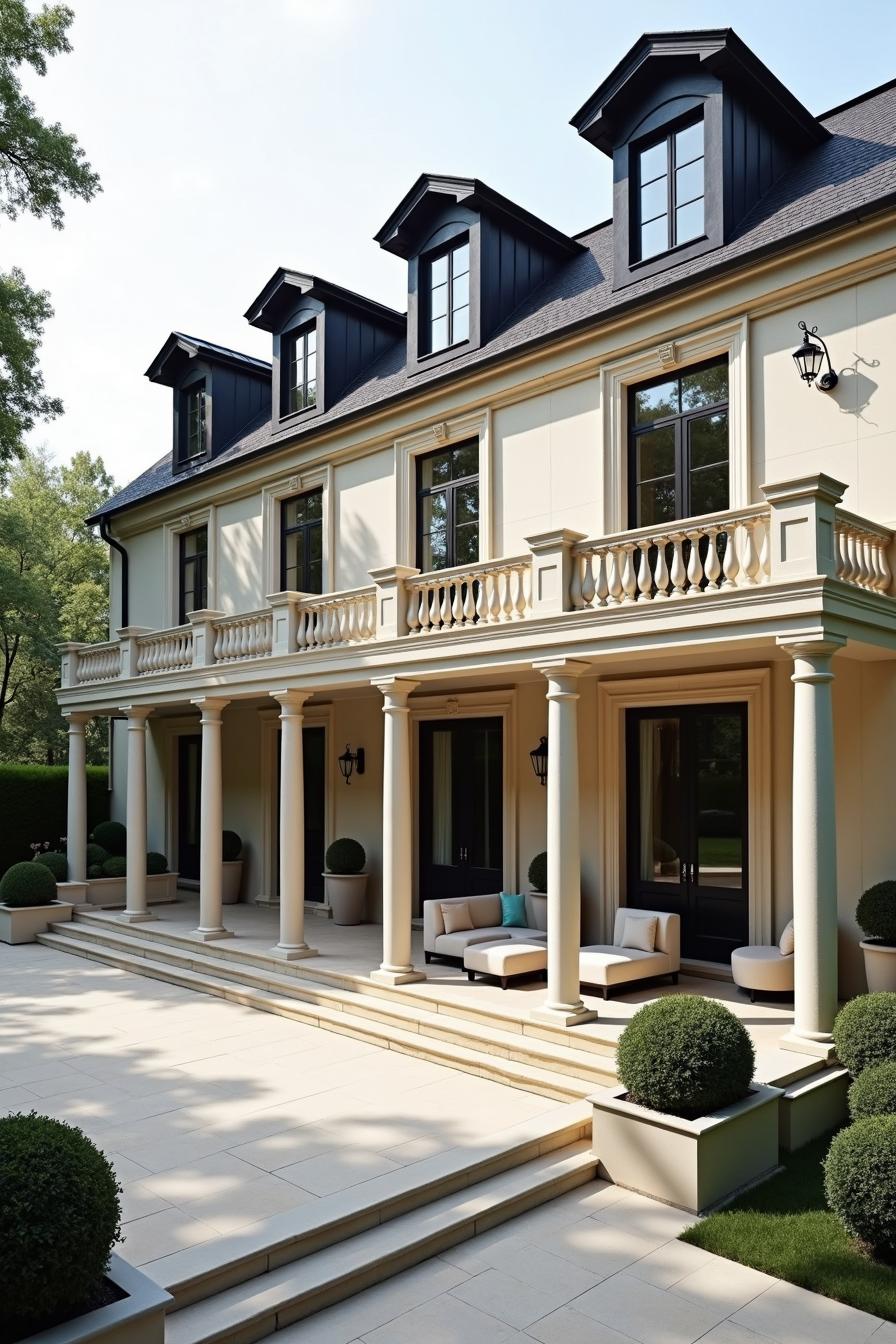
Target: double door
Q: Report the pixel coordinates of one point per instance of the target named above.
(687, 822)
(461, 807)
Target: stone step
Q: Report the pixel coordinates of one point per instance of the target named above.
(257, 1308)
(556, 1081)
(199, 1272)
(591, 1038)
(591, 1069)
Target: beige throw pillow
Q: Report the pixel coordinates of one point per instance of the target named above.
(785, 945)
(639, 933)
(456, 917)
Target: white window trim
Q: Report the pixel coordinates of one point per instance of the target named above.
(441, 435)
(731, 339)
(271, 498)
(269, 721)
(172, 532)
(470, 705)
(752, 687)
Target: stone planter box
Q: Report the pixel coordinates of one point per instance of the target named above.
(231, 881)
(880, 965)
(139, 1318)
(693, 1164)
(109, 892)
(22, 924)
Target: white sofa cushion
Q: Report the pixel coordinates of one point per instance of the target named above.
(786, 941)
(456, 916)
(639, 934)
(668, 932)
(511, 957)
(485, 915)
(456, 944)
(602, 964)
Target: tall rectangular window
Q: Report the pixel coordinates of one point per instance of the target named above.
(448, 296)
(193, 422)
(678, 445)
(448, 507)
(301, 543)
(299, 369)
(670, 191)
(193, 572)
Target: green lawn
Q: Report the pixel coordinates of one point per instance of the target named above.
(783, 1228)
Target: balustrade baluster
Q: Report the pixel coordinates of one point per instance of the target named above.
(750, 554)
(712, 566)
(581, 568)
(469, 607)
(482, 613)
(614, 579)
(645, 578)
(457, 605)
(601, 584)
(695, 565)
(678, 574)
(628, 578)
(494, 600)
(586, 585)
(730, 561)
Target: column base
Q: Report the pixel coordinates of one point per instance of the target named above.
(563, 1016)
(287, 953)
(135, 916)
(805, 1045)
(209, 935)
(406, 976)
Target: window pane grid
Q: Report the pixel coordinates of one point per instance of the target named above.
(193, 578)
(671, 191)
(301, 543)
(301, 362)
(449, 297)
(448, 507)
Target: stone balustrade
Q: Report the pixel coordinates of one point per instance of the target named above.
(164, 651)
(862, 548)
(98, 662)
(249, 636)
(470, 595)
(339, 618)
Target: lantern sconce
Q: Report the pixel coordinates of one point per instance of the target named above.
(539, 758)
(808, 359)
(351, 760)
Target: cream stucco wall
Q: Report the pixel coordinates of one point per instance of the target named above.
(240, 576)
(148, 581)
(364, 518)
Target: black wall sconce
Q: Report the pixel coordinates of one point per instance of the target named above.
(808, 358)
(351, 760)
(539, 758)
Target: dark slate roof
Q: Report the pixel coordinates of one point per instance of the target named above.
(193, 347)
(848, 177)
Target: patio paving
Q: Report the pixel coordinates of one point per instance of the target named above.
(217, 1116)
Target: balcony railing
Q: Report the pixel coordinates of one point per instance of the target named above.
(798, 534)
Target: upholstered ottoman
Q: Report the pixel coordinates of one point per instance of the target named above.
(762, 970)
(506, 960)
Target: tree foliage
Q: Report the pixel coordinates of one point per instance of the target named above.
(53, 588)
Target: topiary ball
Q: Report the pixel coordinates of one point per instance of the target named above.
(231, 846)
(865, 1031)
(345, 856)
(873, 1092)
(115, 867)
(61, 1216)
(686, 1056)
(27, 884)
(112, 836)
(95, 854)
(538, 872)
(94, 871)
(860, 1181)
(876, 912)
(156, 863)
(57, 864)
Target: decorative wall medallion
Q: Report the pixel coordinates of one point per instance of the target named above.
(440, 432)
(186, 519)
(294, 482)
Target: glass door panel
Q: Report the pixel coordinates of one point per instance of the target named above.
(189, 805)
(461, 808)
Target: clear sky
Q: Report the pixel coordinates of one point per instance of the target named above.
(235, 136)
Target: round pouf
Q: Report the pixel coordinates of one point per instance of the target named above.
(763, 970)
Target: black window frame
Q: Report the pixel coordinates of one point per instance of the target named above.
(197, 561)
(449, 489)
(681, 421)
(666, 136)
(306, 528)
(198, 387)
(427, 261)
(289, 343)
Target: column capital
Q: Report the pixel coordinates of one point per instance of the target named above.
(77, 719)
(814, 649)
(561, 667)
(290, 700)
(396, 688)
(138, 713)
(210, 707)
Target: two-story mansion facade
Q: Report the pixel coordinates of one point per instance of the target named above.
(578, 492)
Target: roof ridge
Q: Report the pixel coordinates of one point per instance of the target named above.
(859, 98)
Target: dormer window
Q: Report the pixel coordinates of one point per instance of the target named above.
(299, 358)
(448, 290)
(670, 186)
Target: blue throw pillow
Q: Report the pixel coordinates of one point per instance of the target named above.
(513, 911)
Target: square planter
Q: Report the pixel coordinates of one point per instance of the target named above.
(693, 1164)
(22, 924)
(139, 1318)
(109, 893)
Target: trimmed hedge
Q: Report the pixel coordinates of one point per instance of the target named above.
(27, 884)
(34, 806)
(94, 871)
(61, 1217)
(57, 864)
(538, 872)
(876, 913)
(96, 855)
(115, 867)
(865, 1032)
(156, 863)
(684, 1055)
(345, 856)
(232, 847)
(860, 1182)
(873, 1092)
(112, 836)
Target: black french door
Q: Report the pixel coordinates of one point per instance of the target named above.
(461, 808)
(189, 804)
(686, 794)
(314, 782)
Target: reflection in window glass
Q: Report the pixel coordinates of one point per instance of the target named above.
(301, 543)
(449, 297)
(670, 184)
(448, 507)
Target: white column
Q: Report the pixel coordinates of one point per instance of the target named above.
(135, 911)
(814, 848)
(563, 1004)
(397, 967)
(76, 825)
(292, 943)
(211, 821)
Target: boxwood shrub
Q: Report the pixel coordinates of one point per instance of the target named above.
(860, 1182)
(873, 1092)
(112, 836)
(232, 847)
(115, 867)
(94, 871)
(61, 1216)
(538, 872)
(26, 884)
(345, 856)
(156, 863)
(876, 912)
(865, 1031)
(34, 806)
(685, 1056)
(96, 855)
(56, 862)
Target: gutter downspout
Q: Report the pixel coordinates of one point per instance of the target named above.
(110, 540)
